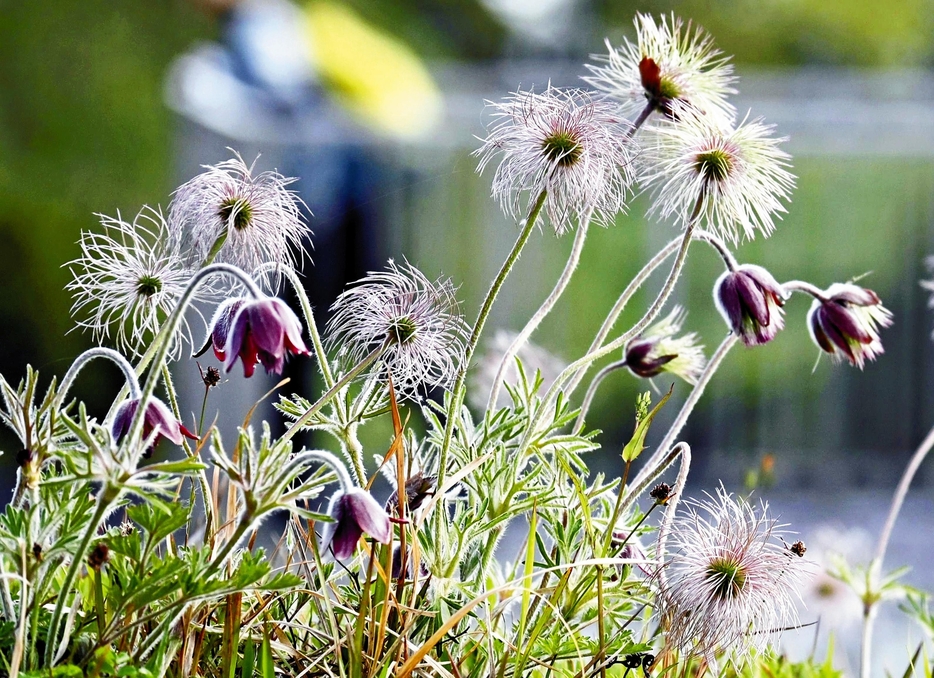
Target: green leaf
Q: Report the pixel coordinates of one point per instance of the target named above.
(635, 446)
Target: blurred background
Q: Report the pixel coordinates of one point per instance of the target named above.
(376, 105)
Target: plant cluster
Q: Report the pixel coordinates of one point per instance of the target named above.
(116, 562)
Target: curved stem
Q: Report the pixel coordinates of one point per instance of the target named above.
(457, 394)
(720, 246)
(331, 392)
(875, 567)
(83, 359)
(712, 366)
(592, 391)
(308, 312)
(325, 457)
(650, 315)
(665, 527)
(542, 312)
(806, 287)
(171, 325)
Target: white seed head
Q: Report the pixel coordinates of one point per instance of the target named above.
(739, 173)
(566, 142)
(418, 320)
(128, 280)
(690, 69)
(732, 582)
(238, 217)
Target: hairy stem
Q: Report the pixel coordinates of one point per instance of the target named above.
(875, 567)
(83, 359)
(457, 394)
(665, 527)
(542, 312)
(592, 391)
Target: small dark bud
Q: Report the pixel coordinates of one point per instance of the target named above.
(24, 457)
(798, 548)
(647, 661)
(37, 551)
(99, 556)
(661, 493)
(417, 489)
(212, 377)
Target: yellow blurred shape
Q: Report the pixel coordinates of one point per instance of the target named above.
(374, 75)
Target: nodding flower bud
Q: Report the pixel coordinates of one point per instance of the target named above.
(220, 328)
(262, 331)
(750, 300)
(846, 322)
(158, 419)
(659, 350)
(354, 512)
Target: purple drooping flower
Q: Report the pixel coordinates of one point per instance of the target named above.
(750, 300)
(659, 349)
(262, 331)
(220, 328)
(354, 512)
(846, 323)
(158, 419)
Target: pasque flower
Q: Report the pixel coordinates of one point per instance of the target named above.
(750, 300)
(731, 581)
(566, 142)
(354, 512)
(220, 327)
(668, 63)
(659, 350)
(845, 323)
(128, 280)
(158, 419)
(257, 331)
(230, 214)
(416, 322)
(734, 179)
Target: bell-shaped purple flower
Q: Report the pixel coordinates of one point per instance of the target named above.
(263, 331)
(846, 323)
(220, 327)
(158, 419)
(354, 512)
(750, 300)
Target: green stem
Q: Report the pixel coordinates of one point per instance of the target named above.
(331, 392)
(542, 312)
(457, 394)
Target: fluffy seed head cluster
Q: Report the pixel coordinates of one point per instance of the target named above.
(565, 142)
(731, 581)
(230, 214)
(417, 321)
(846, 323)
(733, 179)
(669, 62)
(128, 280)
(660, 350)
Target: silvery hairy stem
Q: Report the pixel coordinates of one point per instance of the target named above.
(684, 450)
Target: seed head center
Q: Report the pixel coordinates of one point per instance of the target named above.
(727, 576)
(714, 165)
(236, 210)
(402, 330)
(148, 285)
(562, 148)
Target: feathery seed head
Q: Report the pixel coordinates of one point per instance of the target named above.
(846, 323)
(230, 214)
(128, 280)
(739, 175)
(669, 63)
(417, 320)
(565, 142)
(731, 583)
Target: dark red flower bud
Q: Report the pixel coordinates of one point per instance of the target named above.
(846, 323)
(263, 331)
(220, 327)
(750, 300)
(354, 513)
(158, 419)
